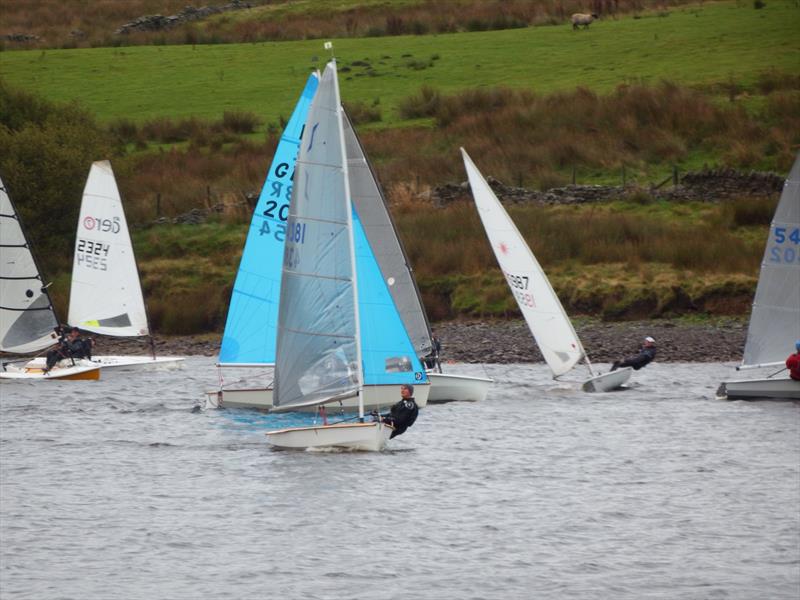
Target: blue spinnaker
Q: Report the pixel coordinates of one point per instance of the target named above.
(386, 350)
(251, 327)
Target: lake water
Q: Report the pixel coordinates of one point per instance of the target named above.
(117, 489)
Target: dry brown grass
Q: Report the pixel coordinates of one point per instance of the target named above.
(98, 19)
(523, 138)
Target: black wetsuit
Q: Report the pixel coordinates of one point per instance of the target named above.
(77, 348)
(645, 356)
(402, 416)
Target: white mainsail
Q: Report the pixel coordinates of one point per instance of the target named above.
(318, 350)
(775, 318)
(27, 317)
(535, 296)
(106, 296)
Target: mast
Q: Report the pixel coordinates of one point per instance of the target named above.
(354, 273)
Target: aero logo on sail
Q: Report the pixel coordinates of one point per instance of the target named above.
(105, 225)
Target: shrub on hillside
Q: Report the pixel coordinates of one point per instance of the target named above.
(361, 112)
(46, 150)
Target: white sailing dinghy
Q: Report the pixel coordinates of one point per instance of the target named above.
(27, 318)
(374, 215)
(775, 317)
(250, 340)
(106, 295)
(321, 356)
(537, 300)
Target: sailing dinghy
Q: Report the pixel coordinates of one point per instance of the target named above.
(321, 356)
(250, 331)
(106, 295)
(27, 317)
(537, 300)
(775, 317)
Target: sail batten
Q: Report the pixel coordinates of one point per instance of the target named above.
(27, 317)
(775, 318)
(540, 306)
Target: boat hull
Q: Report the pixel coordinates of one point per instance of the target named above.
(366, 437)
(376, 397)
(754, 389)
(608, 381)
(138, 363)
(446, 387)
(81, 371)
(124, 363)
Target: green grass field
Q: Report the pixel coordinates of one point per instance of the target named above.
(702, 45)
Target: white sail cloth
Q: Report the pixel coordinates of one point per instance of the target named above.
(106, 296)
(27, 318)
(536, 298)
(775, 318)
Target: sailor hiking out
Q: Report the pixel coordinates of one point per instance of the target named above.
(647, 352)
(402, 414)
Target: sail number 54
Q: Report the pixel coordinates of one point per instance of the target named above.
(785, 246)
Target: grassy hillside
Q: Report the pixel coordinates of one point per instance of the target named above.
(534, 107)
(705, 45)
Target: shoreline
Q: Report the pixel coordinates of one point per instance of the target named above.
(510, 341)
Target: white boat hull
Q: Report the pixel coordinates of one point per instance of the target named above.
(124, 363)
(608, 381)
(446, 387)
(376, 397)
(751, 389)
(138, 363)
(368, 437)
(64, 370)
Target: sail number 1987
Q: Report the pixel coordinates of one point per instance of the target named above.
(519, 287)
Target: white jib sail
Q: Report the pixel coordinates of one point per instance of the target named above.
(538, 302)
(106, 296)
(775, 319)
(26, 314)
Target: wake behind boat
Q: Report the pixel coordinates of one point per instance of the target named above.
(543, 312)
(775, 318)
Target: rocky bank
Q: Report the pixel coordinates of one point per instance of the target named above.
(510, 341)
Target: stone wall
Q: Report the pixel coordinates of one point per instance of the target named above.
(706, 186)
(190, 13)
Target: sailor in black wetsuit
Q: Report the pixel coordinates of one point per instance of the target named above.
(70, 345)
(646, 354)
(403, 414)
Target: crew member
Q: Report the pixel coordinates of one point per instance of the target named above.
(69, 346)
(793, 362)
(403, 414)
(647, 352)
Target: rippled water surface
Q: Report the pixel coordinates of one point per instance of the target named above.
(117, 489)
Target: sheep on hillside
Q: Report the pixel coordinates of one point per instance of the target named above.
(583, 19)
